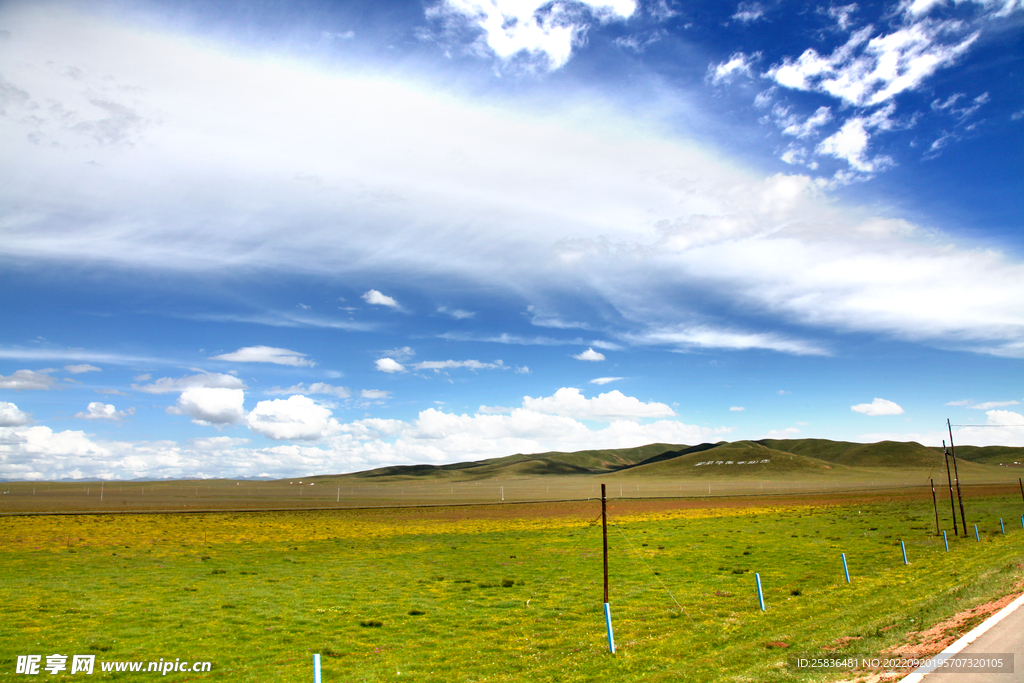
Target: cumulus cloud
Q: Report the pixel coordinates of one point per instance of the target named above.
(389, 365)
(542, 30)
(377, 299)
(211, 406)
(872, 70)
(434, 436)
(77, 369)
(10, 416)
(296, 418)
(739, 64)
(267, 354)
(605, 380)
(104, 411)
(737, 409)
(208, 380)
(27, 379)
(589, 354)
(569, 402)
(879, 406)
(314, 388)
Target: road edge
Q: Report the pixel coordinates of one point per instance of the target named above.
(965, 640)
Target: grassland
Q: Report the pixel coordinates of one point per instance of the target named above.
(499, 593)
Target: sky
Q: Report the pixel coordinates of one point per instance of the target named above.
(264, 239)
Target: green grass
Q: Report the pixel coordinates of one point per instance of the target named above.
(505, 595)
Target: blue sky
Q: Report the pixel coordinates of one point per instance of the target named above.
(277, 239)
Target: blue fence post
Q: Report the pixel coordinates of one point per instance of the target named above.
(760, 594)
(316, 668)
(976, 536)
(904, 549)
(846, 570)
(608, 623)
(945, 540)
(1001, 527)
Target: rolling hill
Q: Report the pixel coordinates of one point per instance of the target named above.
(766, 457)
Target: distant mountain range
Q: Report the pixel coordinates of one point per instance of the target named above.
(767, 457)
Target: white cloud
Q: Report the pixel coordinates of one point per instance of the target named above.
(543, 30)
(433, 437)
(810, 126)
(104, 411)
(1001, 428)
(389, 365)
(705, 336)
(209, 380)
(850, 143)
(267, 354)
(569, 402)
(869, 71)
(879, 406)
(748, 12)
(217, 443)
(590, 354)
(377, 299)
(739, 64)
(605, 380)
(10, 416)
(989, 405)
(401, 354)
(296, 418)
(77, 369)
(314, 388)
(672, 215)
(787, 433)
(438, 365)
(737, 409)
(456, 313)
(211, 406)
(26, 379)
(1004, 428)
(374, 394)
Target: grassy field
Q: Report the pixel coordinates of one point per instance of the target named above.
(498, 593)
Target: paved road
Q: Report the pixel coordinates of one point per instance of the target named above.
(1006, 636)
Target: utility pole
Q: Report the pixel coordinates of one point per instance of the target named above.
(935, 504)
(949, 480)
(607, 607)
(952, 454)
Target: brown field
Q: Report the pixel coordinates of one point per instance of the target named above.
(647, 494)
